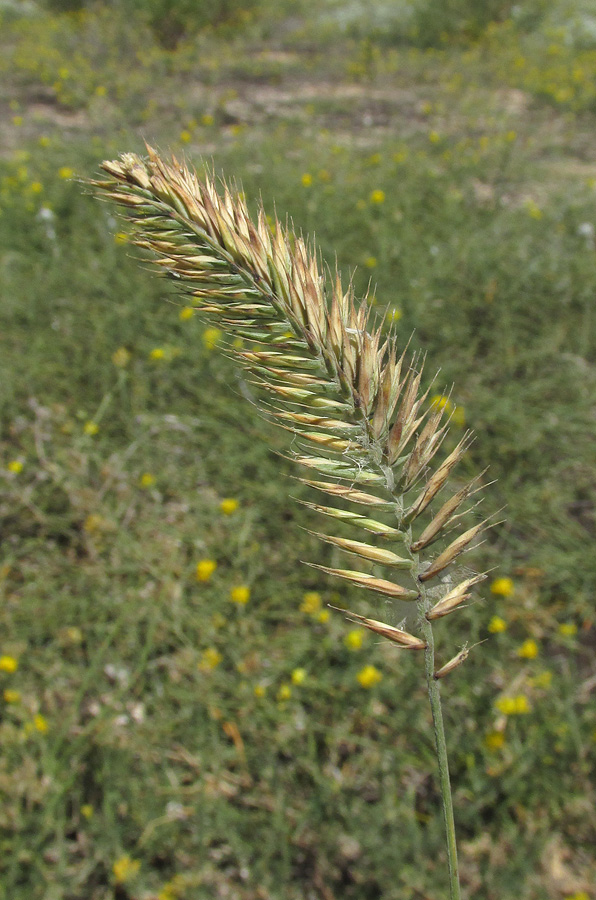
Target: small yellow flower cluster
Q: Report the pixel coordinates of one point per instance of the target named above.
(228, 506)
(125, 869)
(211, 338)
(187, 312)
(533, 209)
(240, 594)
(502, 587)
(528, 650)
(87, 810)
(369, 676)
(513, 706)
(164, 354)
(39, 723)
(311, 605)
(90, 428)
(121, 357)
(354, 638)
(205, 569)
(173, 889)
(210, 659)
(306, 179)
(542, 679)
(147, 480)
(567, 629)
(8, 664)
(11, 696)
(494, 740)
(377, 197)
(298, 676)
(15, 466)
(497, 625)
(284, 693)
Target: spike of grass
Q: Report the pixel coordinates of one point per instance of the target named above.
(266, 285)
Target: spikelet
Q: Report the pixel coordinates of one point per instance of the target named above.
(323, 368)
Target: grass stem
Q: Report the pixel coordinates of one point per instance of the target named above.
(434, 696)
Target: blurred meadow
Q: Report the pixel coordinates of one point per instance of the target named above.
(181, 716)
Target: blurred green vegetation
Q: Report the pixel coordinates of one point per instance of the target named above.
(165, 736)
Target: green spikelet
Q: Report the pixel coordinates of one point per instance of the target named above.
(324, 369)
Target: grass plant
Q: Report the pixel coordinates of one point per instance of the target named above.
(338, 383)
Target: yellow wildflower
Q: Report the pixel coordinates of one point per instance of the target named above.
(65, 172)
(298, 676)
(306, 179)
(494, 740)
(497, 624)
(211, 338)
(240, 594)
(40, 723)
(157, 353)
(434, 137)
(12, 696)
(15, 466)
(93, 523)
(228, 506)
(210, 659)
(44, 141)
(185, 136)
(528, 650)
(567, 629)
(458, 416)
(395, 314)
(91, 428)
(354, 638)
(323, 616)
(17, 120)
(36, 187)
(205, 569)
(370, 262)
(502, 587)
(147, 480)
(369, 676)
(100, 91)
(125, 869)
(121, 357)
(311, 603)
(284, 692)
(8, 664)
(439, 401)
(542, 680)
(187, 312)
(121, 237)
(513, 706)
(207, 119)
(533, 210)
(87, 810)
(260, 691)
(377, 196)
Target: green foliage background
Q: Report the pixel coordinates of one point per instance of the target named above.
(158, 768)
